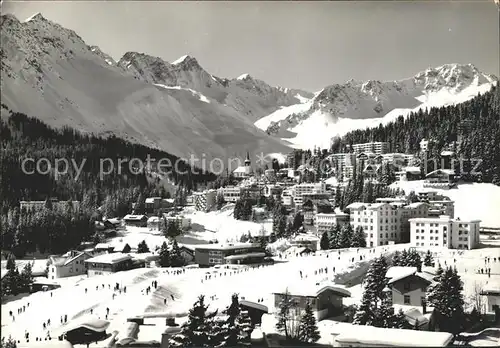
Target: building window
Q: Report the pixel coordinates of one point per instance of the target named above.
(406, 299)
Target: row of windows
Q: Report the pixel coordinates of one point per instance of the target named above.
(215, 253)
(214, 260)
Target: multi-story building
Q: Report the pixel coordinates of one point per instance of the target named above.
(287, 198)
(68, 265)
(54, 203)
(183, 223)
(311, 189)
(385, 223)
(325, 222)
(231, 193)
(205, 201)
(440, 178)
(375, 147)
(444, 231)
(442, 207)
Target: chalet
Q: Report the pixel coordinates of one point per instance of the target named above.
(304, 240)
(84, 331)
(239, 253)
(255, 310)
(103, 248)
(121, 247)
(108, 264)
(152, 204)
(325, 299)
(136, 220)
(67, 265)
(408, 286)
(440, 179)
(187, 252)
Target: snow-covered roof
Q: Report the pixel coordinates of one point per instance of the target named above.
(413, 170)
(240, 169)
(45, 344)
(441, 171)
(416, 205)
(109, 258)
(396, 273)
(255, 305)
(153, 219)
(102, 246)
(370, 335)
(492, 288)
(313, 290)
(244, 256)
(134, 217)
(89, 322)
(356, 205)
(447, 153)
(231, 246)
(152, 199)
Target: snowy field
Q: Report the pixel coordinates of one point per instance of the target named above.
(181, 290)
(224, 227)
(472, 201)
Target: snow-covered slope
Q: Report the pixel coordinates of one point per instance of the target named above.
(49, 72)
(340, 108)
(247, 95)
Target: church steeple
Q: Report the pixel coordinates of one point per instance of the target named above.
(247, 160)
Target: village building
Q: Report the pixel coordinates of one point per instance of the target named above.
(108, 264)
(408, 286)
(68, 265)
(238, 253)
(84, 331)
(377, 147)
(440, 179)
(205, 201)
(103, 248)
(245, 171)
(324, 298)
(444, 231)
(183, 223)
(326, 221)
(231, 193)
(136, 220)
(309, 241)
(492, 293)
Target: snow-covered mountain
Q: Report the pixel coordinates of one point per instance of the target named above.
(339, 108)
(49, 72)
(249, 96)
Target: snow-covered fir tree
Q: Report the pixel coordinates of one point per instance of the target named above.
(286, 315)
(364, 314)
(324, 243)
(448, 301)
(428, 259)
(198, 331)
(359, 240)
(346, 236)
(164, 255)
(308, 330)
(334, 237)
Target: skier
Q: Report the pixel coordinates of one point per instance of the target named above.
(172, 297)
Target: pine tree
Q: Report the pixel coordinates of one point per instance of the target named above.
(164, 255)
(197, 331)
(396, 258)
(173, 229)
(8, 343)
(404, 258)
(447, 299)
(324, 242)
(375, 280)
(359, 240)
(234, 331)
(26, 278)
(176, 259)
(364, 315)
(334, 237)
(428, 260)
(308, 330)
(142, 247)
(346, 236)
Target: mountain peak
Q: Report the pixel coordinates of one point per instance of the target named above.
(36, 17)
(244, 77)
(187, 62)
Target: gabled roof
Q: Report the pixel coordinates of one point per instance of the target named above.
(314, 290)
(91, 323)
(396, 273)
(131, 217)
(255, 305)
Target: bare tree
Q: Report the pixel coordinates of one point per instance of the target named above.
(476, 300)
(288, 316)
